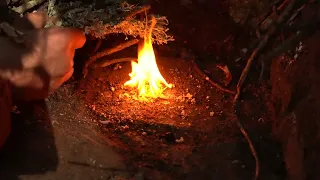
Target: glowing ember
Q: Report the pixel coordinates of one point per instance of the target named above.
(145, 74)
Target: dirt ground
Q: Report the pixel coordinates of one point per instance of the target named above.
(94, 128)
(90, 131)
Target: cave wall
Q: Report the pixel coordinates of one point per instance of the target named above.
(296, 98)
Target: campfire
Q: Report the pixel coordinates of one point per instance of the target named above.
(145, 73)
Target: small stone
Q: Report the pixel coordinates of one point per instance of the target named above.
(238, 59)
(125, 127)
(183, 112)
(207, 78)
(105, 122)
(211, 113)
(113, 89)
(244, 50)
(144, 133)
(180, 140)
(193, 100)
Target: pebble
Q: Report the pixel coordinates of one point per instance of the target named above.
(180, 140)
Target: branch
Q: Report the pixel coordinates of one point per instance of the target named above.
(107, 52)
(108, 62)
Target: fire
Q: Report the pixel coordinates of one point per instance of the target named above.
(145, 74)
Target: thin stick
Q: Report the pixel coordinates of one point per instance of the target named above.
(215, 84)
(108, 62)
(136, 12)
(98, 45)
(107, 52)
(129, 15)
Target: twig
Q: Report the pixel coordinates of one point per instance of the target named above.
(107, 52)
(215, 84)
(27, 6)
(108, 62)
(261, 45)
(129, 15)
(270, 19)
(136, 12)
(296, 13)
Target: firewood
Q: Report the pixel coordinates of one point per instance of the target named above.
(107, 52)
(107, 62)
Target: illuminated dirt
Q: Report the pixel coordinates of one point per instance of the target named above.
(191, 103)
(163, 133)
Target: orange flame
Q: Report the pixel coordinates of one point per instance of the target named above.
(145, 74)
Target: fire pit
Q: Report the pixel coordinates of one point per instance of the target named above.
(163, 130)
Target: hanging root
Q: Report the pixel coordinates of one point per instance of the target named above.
(246, 136)
(108, 62)
(107, 52)
(213, 83)
(272, 30)
(271, 18)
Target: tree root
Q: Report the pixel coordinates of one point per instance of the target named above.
(107, 52)
(108, 62)
(272, 29)
(267, 22)
(215, 84)
(262, 44)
